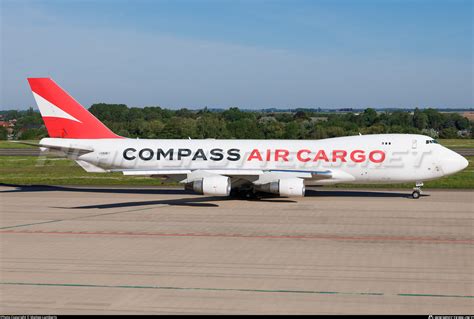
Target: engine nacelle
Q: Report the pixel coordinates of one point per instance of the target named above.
(284, 187)
(211, 185)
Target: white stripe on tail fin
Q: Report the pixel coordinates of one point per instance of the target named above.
(47, 109)
(63, 116)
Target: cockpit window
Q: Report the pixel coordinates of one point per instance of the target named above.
(432, 142)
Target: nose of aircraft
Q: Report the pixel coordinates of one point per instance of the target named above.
(453, 163)
(464, 162)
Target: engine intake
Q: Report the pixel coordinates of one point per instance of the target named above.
(212, 185)
(284, 187)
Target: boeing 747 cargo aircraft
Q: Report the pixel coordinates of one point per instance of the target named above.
(216, 167)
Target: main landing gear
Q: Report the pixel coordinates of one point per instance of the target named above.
(417, 190)
(244, 193)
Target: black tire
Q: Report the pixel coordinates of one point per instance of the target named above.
(415, 194)
(247, 194)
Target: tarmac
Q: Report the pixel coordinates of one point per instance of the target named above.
(79, 250)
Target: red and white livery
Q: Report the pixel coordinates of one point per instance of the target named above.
(215, 167)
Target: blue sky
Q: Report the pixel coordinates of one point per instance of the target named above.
(251, 54)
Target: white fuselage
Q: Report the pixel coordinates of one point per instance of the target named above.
(383, 158)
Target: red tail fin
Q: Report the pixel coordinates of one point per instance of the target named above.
(63, 116)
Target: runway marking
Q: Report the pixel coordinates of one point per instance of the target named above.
(32, 224)
(235, 289)
(75, 218)
(314, 237)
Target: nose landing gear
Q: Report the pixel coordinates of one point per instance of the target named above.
(417, 190)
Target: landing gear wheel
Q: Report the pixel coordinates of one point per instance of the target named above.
(416, 194)
(248, 194)
(244, 194)
(417, 190)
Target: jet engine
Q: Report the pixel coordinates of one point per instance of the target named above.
(284, 187)
(210, 185)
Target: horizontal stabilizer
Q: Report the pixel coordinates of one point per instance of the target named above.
(60, 146)
(68, 147)
(25, 143)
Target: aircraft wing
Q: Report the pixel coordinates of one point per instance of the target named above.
(256, 176)
(70, 150)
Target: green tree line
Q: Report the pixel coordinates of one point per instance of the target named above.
(157, 122)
